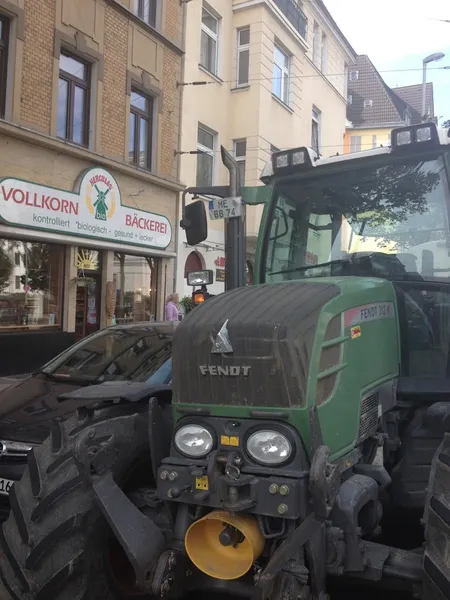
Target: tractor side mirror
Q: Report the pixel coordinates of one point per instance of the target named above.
(195, 223)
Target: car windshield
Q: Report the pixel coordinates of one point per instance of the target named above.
(388, 221)
(135, 354)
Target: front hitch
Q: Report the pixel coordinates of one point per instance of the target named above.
(140, 538)
(323, 486)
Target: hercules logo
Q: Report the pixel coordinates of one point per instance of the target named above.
(104, 207)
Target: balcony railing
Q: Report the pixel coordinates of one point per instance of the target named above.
(294, 15)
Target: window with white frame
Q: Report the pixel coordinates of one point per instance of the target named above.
(315, 130)
(240, 152)
(316, 45)
(243, 56)
(209, 52)
(323, 56)
(355, 143)
(205, 160)
(281, 67)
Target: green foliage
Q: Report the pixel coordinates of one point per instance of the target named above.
(187, 303)
(391, 199)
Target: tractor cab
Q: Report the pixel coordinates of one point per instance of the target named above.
(382, 214)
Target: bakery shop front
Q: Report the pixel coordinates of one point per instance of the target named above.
(74, 261)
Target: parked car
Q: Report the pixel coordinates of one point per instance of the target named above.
(127, 361)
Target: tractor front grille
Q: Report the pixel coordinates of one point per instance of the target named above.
(368, 422)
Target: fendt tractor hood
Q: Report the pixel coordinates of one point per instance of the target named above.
(250, 346)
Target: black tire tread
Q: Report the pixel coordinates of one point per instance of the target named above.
(51, 542)
(436, 583)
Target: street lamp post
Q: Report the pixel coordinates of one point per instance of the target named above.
(428, 59)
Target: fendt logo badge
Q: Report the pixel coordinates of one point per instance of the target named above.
(222, 345)
(231, 371)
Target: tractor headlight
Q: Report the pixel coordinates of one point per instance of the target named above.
(269, 447)
(194, 440)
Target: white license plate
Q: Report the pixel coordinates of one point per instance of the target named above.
(5, 486)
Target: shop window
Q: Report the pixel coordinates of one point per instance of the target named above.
(32, 298)
(146, 10)
(89, 286)
(136, 279)
(73, 99)
(4, 42)
(141, 130)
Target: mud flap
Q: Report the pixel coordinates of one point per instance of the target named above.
(436, 582)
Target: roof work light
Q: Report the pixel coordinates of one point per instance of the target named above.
(423, 134)
(286, 160)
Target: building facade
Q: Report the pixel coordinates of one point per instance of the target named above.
(89, 132)
(274, 75)
(374, 109)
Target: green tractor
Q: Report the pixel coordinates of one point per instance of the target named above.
(307, 440)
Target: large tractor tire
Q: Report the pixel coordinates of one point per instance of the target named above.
(55, 544)
(436, 584)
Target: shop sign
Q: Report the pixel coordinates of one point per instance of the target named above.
(220, 262)
(220, 274)
(95, 210)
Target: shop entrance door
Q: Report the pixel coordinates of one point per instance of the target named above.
(89, 286)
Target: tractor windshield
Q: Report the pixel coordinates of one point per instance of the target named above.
(390, 222)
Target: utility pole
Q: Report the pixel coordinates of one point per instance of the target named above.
(429, 59)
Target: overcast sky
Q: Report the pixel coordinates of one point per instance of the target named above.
(395, 36)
